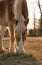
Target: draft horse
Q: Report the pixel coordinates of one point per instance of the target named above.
(14, 12)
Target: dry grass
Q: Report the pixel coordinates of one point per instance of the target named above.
(18, 59)
(33, 55)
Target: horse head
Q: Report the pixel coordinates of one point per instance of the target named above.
(20, 34)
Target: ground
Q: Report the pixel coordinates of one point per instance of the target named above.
(32, 56)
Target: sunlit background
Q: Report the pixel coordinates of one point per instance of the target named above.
(33, 10)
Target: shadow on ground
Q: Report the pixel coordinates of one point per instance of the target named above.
(18, 59)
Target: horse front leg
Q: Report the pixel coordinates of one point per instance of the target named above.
(1, 49)
(2, 30)
(12, 37)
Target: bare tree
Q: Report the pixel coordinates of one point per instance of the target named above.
(41, 16)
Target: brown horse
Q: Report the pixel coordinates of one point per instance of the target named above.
(14, 12)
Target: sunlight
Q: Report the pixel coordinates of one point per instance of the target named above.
(33, 7)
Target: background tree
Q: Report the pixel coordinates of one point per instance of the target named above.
(41, 16)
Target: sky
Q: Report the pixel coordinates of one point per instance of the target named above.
(33, 7)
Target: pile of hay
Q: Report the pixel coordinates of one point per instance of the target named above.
(18, 59)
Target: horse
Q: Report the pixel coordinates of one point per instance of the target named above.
(14, 12)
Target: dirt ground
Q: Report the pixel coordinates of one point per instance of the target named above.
(33, 54)
(33, 45)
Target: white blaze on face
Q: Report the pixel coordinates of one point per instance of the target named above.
(21, 44)
(20, 28)
(20, 48)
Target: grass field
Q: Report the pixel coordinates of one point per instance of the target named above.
(32, 56)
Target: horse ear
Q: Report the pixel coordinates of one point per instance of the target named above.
(26, 21)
